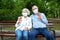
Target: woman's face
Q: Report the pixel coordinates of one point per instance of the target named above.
(24, 13)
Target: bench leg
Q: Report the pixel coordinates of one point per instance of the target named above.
(1, 37)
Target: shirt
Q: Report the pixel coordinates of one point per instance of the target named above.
(26, 22)
(39, 23)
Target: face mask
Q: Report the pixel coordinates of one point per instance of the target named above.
(35, 11)
(24, 14)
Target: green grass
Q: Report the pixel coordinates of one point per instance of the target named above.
(8, 29)
(56, 26)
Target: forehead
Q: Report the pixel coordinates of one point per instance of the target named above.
(24, 11)
(34, 7)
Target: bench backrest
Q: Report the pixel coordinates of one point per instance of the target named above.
(10, 26)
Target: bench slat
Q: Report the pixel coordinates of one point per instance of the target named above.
(9, 33)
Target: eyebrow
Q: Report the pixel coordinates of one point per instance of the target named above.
(34, 8)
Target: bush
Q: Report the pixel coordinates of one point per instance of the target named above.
(11, 9)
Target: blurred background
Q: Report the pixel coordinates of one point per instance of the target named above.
(11, 9)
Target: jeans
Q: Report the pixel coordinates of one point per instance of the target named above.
(44, 31)
(21, 34)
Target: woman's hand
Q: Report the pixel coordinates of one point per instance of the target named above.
(19, 20)
(26, 28)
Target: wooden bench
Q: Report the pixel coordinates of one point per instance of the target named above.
(11, 33)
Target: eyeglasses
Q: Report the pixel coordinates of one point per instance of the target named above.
(24, 11)
(34, 8)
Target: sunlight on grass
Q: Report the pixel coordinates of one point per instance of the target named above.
(56, 26)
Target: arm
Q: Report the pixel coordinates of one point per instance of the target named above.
(44, 19)
(18, 22)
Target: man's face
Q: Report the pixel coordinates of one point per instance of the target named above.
(35, 9)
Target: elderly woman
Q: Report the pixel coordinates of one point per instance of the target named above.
(23, 25)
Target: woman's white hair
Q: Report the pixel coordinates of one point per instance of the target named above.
(25, 9)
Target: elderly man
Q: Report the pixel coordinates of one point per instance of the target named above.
(39, 22)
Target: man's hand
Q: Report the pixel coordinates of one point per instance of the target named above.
(25, 28)
(39, 16)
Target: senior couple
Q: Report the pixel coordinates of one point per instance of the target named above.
(36, 21)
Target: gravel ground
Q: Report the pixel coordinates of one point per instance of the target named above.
(12, 38)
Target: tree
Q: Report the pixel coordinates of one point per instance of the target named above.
(11, 9)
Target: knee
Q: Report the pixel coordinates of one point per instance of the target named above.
(18, 35)
(31, 34)
(50, 35)
(25, 35)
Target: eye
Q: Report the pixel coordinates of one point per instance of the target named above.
(34, 8)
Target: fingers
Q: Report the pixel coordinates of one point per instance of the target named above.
(19, 20)
(25, 28)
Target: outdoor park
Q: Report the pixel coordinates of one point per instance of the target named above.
(10, 10)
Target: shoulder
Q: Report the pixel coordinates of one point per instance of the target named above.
(32, 15)
(29, 18)
(42, 14)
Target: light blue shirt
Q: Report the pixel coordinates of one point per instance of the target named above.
(39, 23)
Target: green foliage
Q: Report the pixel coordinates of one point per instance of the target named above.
(11, 9)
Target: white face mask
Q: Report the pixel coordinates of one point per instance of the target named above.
(24, 14)
(35, 11)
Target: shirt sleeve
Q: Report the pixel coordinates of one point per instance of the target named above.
(31, 16)
(17, 25)
(44, 19)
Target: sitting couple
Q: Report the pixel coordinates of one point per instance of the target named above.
(37, 21)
